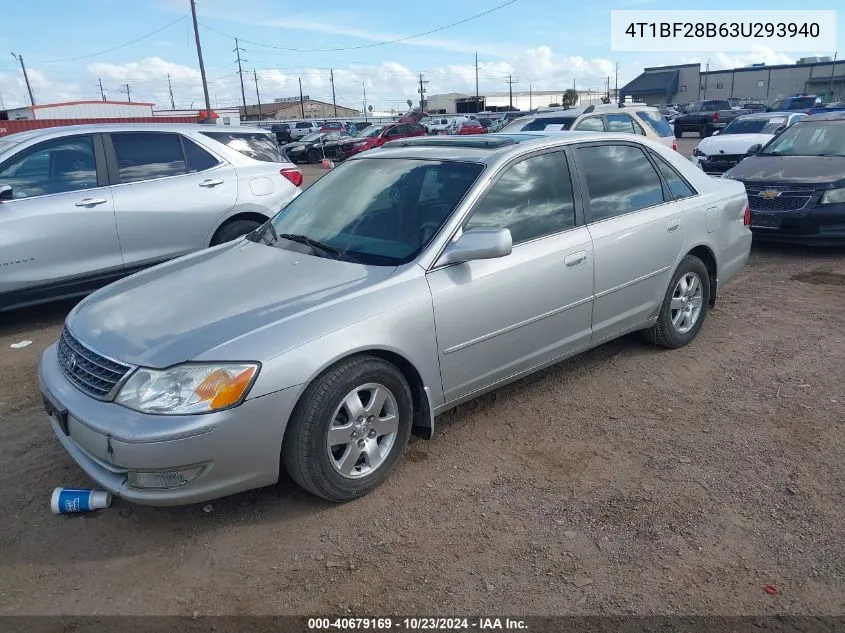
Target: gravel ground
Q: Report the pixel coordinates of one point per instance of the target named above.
(626, 480)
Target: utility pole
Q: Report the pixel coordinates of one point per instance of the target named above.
(364, 84)
(128, 94)
(476, 82)
(237, 51)
(607, 90)
(530, 99)
(199, 56)
(832, 70)
(511, 82)
(616, 90)
(103, 92)
(706, 71)
(170, 88)
(2, 105)
(301, 102)
(257, 96)
(422, 94)
(334, 100)
(25, 78)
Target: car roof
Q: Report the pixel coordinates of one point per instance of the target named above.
(487, 148)
(93, 128)
(826, 116)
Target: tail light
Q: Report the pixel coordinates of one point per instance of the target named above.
(746, 218)
(674, 145)
(810, 111)
(293, 175)
(715, 117)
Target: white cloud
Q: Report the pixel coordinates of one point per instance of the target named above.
(723, 61)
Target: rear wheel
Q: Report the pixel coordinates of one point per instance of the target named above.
(678, 132)
(313, 156)
(349, 429)
(705, 131)
(233, 229)
(684, 306)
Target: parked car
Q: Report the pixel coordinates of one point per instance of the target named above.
(332, 126)
(634, 119)
(303, 128)
(322, 340)
(319, 145)
(828, 107)
(804, 103)
(412, 116)
(465, 128)
(716, 154)
(796, 183)
(379, 134)
(83, 205)
(705, 117)
(437, 124)
(756, 107)
(670, 114)
(282, 132)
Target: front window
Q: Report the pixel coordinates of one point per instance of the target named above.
(377, 212)
(313, 137)
(370, 131)
(254, 145)
(809, 138)
(539, 124)
(755, 126)
(56, 166)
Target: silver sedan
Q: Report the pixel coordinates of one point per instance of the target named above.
(404, 282)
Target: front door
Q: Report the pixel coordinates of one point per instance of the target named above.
(499, 317)
(58, 232)
(637, 230)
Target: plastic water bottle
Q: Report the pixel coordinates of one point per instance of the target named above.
(70, 500)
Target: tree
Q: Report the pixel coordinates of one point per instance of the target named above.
(570, 97)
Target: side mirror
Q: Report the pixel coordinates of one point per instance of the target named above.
(754, 149)
(478, 244)
(5, 192)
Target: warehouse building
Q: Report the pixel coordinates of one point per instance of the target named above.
(685, 83)
(291, 108)
(79, 110)
(462, 103)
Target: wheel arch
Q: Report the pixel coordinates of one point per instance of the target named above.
(251, 212)
(706, 255)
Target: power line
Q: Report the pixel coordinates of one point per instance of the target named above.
(373, 44)
(115, 48)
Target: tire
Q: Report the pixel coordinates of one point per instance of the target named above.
(705, 131)
(678, 132)
(312, 157)
(232, 230)
(329, 472)
(672, 335)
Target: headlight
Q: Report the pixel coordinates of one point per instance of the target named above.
(833, 196)
(698, 152)
(188, 388)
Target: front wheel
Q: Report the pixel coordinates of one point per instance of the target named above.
(684, 306)
(232, 230)
(313, 156)
(349, 429)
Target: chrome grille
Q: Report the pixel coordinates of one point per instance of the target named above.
(789, 198)
(90, 372)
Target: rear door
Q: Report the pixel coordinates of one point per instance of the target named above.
(58, 232)
(169, 192)
(497, 318)
(637, 230)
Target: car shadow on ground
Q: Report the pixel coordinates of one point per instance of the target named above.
(37, 317)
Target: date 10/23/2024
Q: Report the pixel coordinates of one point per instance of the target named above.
(417, 624)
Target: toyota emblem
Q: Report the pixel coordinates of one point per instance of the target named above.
(71, 362)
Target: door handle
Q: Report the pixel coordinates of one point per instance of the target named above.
(90, 202)
(674, 225)
(575, 259)
(211, 182)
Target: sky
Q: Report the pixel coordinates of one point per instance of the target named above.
(546, 44)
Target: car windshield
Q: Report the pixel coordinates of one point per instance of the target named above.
(314, 136)
(256, 145)
(755, 126)
(370, 131)
(380, 212)
(539, 124)
(809, 138)
(656, 122)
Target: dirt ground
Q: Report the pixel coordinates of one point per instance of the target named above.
(628, 480)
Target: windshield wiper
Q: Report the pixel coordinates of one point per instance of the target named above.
(315, 245)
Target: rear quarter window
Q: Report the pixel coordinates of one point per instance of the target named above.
(656, 122)
(257, 146)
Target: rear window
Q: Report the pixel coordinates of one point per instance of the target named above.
(538, 124)
(755, 126)
(303, 125)
(254, 145)
(656, 122)
(717, 105)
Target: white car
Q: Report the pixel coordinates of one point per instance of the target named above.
(303, 128)
(630, 118)
(718, 153)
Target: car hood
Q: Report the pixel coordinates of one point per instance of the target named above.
(176, 311)
(790, 169)
(293, 146)
(732, 143)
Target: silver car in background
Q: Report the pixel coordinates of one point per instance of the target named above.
(87, 204)
(402, 283)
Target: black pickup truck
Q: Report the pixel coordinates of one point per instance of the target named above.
(705, 117)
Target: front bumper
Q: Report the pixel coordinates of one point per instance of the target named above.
(819, 225)
(240, 447)
(718, 167)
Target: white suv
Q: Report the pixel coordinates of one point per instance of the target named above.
(303, 128)
(630, 118)
(83, 205)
